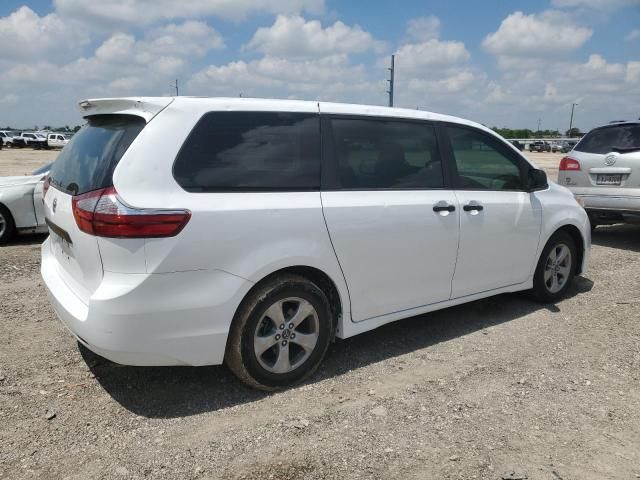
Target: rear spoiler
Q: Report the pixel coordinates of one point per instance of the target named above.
(145, 107)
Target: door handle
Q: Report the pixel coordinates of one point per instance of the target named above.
(470, 207)
(444, 208)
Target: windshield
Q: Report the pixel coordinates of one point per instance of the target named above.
(87, 162)
(609, 139)
(42, 170)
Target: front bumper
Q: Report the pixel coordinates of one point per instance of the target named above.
(179, 318)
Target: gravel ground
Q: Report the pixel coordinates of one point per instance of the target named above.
(501, 388)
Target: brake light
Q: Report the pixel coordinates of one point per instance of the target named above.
(45, 186)
(103, 214)
(568, 163)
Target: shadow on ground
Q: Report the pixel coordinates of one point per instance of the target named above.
(167, 392)
(623, 237)
(26, 239)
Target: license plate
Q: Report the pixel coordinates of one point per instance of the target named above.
(608, 179)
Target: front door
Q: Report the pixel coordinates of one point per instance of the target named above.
(393, 225)
(499, 221)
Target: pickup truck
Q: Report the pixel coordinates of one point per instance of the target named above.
(539, 146)
(30, 139)
(57, 140)
(6, 138)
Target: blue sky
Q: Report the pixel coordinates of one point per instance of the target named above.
(500, 63)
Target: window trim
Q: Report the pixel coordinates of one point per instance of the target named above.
(200, 190)
(500, 146)
(330, 179)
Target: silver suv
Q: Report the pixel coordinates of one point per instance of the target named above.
(603, 172)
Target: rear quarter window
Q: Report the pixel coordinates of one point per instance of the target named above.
(87, 162)
(607, 139)
(250, 151)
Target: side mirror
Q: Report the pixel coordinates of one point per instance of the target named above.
(536, 180)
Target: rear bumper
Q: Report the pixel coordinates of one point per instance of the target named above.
(179, 318)
(625, 205)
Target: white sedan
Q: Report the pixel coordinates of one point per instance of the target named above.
(21, 205)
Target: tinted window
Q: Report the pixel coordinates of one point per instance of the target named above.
(481, 162)
(87, 162)
(605, 140)
(386, 154)
(251, 151)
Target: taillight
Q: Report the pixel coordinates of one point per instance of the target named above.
(45, 186)
(568, 163)
(104, 214)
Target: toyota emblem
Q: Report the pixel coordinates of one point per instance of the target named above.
(54, 205)
(610, 160)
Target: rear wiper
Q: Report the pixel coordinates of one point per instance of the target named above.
(625, 149)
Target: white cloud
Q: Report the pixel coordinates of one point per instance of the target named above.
(295, 37)
(328, 78)
(144, 12)
(423, 29)
(596, 4)
(548, 34)
(633, 35)
(431, 54)
(27, 36)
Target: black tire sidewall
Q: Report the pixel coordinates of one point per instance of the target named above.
(539, 285)
(10, 228)
(307, 291)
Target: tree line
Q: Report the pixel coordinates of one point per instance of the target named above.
(65, 129)
(526, 133)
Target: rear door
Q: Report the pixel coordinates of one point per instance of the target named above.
(499, 221)
(392, 221)
(85, 165)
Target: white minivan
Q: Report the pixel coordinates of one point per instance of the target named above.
(197, 231)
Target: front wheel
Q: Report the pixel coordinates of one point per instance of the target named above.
(556, 268)
(7, 225)
(280, 333)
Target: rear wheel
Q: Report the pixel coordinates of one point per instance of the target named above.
(7, 225)
(280, 333)
(556, 268)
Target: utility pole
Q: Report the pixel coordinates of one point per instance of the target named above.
(539, 120)
(392, 71)
(175, 85)
(573, 105)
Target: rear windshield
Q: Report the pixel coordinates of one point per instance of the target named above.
(87, 162)
(608, 139)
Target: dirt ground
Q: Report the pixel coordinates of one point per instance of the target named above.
(502, 388)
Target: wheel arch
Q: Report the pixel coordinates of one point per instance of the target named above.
(575, 234)
(315, 275)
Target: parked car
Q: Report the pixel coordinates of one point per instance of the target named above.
(603, 171)
(231, 230)
(6, 138)
(539, 146)
(56, 140)
(21, 206)
(30, 139)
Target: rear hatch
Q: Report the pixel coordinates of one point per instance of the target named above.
(609, 158)
(85, 164)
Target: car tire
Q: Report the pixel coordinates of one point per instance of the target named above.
(556, 268)
(265, 350)
(7, 225)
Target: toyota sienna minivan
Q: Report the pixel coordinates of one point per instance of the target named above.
(195, 231)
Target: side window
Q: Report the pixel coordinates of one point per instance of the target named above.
(372, 154)
(480, 163)
(251, 151)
